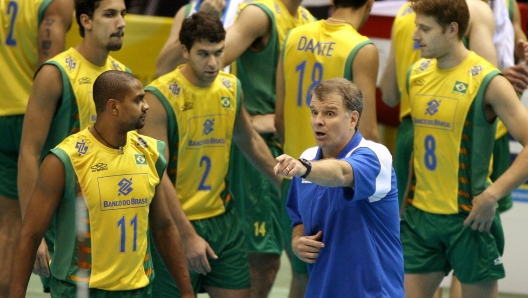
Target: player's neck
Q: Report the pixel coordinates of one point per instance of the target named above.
(189, 74)
(96, 56)
(292, 5)
(456, 55)
(348, 16)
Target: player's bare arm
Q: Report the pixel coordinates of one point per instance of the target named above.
(48, 192)
(43, 101)
(171, 55)
(501, 100)
(52, 31)
(254, 147)
(481, 29)
(389, 81)
(365, 70)
(279, 101)
(250, 31)
(168, 241)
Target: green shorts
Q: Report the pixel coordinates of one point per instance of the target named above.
(501, 162)
(257, 202)
(404, 149)
(11, 132)
(63, 289)
(438, 242)
(229, 271)
(298, 265)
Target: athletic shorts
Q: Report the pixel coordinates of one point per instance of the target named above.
(229, 271)
(63, 289)
(404, 149)
(298, 265)
(11, 132)
(439, 242)
(257, 202)
(501, 162)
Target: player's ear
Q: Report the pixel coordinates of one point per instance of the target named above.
(86, 21)
(111, 106)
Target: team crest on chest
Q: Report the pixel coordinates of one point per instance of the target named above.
(476, 70)
(71, 63)
(226, 83)
(81, 147)
(174, 88)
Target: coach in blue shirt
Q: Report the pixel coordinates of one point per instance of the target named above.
(343, 202)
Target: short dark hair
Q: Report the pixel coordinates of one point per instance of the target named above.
(348, 91)
(201, 26)
(86, 7)
(445, 12)
(349, 3)
(111, 84)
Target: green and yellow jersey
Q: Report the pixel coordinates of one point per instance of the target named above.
(20, 21)
(117, 191)
(200, 125)
(257, 70)
(77, 109)
(453, 142)
(313, 53)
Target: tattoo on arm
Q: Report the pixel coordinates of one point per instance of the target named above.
(46, 43)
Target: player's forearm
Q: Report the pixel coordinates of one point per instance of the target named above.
(23, 263)
(259, 155)
(169, 246)
(170, 57)
(28, 165)
(516, 175)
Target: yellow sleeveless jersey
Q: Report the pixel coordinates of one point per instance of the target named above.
(313, 53)
(257, 70)
(117, 190)
(406, 52)
(20, 20)
(78, 76)
(200, 126)
(453, 142)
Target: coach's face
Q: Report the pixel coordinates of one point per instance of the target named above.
(332, 124)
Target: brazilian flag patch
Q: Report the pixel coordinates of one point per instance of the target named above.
(460, 87)
(140, 159)
(226, 101)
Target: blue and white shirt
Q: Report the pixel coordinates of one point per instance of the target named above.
(363, 254)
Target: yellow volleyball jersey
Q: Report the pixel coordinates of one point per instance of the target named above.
(313, 53)
(20, 20)
(117, 190)
(78, 76)
(257, 70)
(406, 52)
(200, 125)
(453, 142)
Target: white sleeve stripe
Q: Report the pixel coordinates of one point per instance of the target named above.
(383, 180)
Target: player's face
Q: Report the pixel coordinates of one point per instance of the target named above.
(108, 24)
(431, 37)
(205, 60)
(134, 107)
(333, 126)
